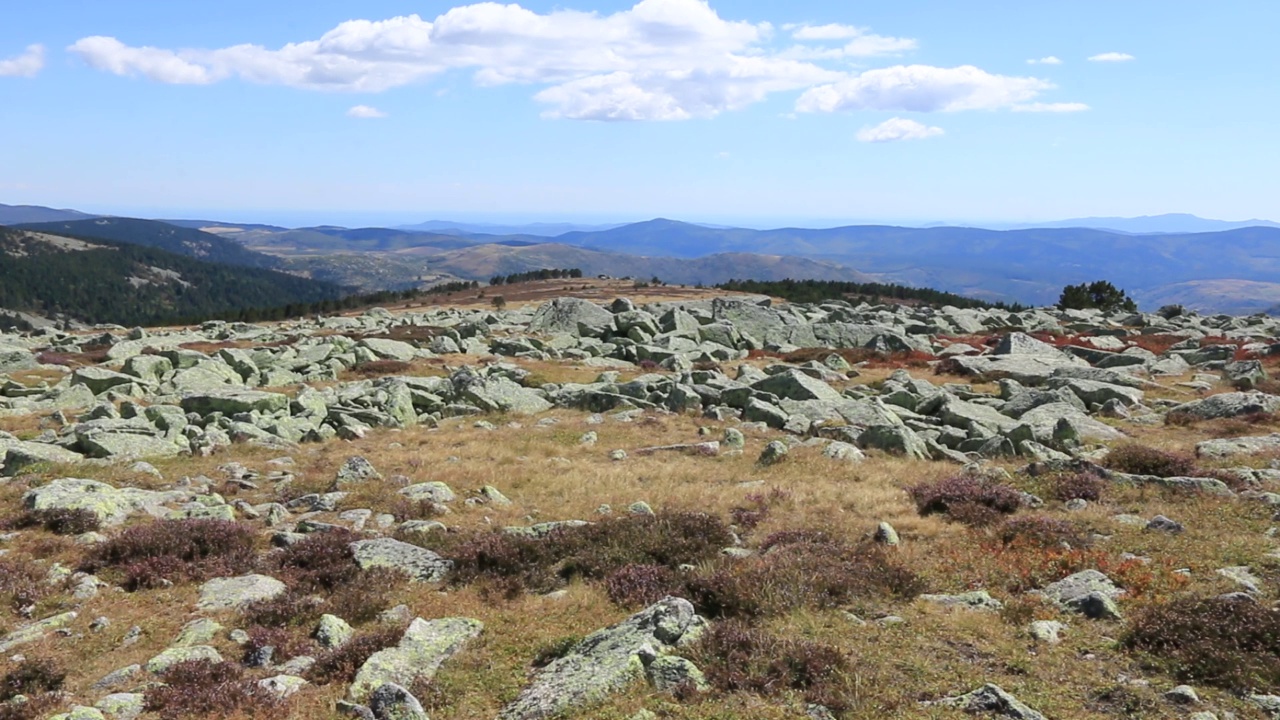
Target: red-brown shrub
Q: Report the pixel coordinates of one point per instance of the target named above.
(1042, 531)
(204, 689)
(633, 586)
(176, 550)
(1225, 642)
(1077, 486)
(968, 499)
(738, 657)
(341, 664)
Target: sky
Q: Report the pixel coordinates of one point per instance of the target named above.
(740, 112)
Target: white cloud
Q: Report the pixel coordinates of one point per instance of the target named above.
(28, 64)
(1050, 60)
(1060, 107)
(658, 60)
(365, 112)
(862, 42)
(113, 56)
(1112, 57)
(834, 31)
(922, 88)
(895, 129)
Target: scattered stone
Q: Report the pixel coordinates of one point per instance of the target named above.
(1047, 631)
(605, 661)
(175, 655)
(1087, 592)
(774, 453)
(1161, 523)
(332, 631)
(1183, 695)
(236, 592)
(885, 534)
(392, 702)
(280, 687)
(420, 653)
(991, 699)
(419, 564)
(976, 600)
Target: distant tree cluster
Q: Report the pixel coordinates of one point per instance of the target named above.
(815, 291)
(350, 302)
(544, 274)
(1100, 294)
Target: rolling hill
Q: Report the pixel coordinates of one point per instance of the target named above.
(101, 281)
(19, 214)
(170, 238)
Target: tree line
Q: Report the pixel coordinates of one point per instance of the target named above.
(544, 274)
(816, 291)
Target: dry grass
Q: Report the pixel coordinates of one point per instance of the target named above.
(549, 476)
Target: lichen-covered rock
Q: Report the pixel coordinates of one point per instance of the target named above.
(991, 699)
(1229, 405)
(236, 592)
(109, 504)
(197, 632)
(35, 631)
(175, 655)
(976, 600)
(605, 661)
(429, 492)
(669, 673)
(418, 563)
(1087, 592)
(773, 453)
(332, 631)
(19, 455)
(424, 647)
(121, 706)
(281, 686)
(231, 402)
(393, 702)
(356, 469)
(1228, 447)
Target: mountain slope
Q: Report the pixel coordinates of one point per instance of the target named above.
(170, 238)
(19, 214)
(100, 281)
(1168, 223)
(484, 261)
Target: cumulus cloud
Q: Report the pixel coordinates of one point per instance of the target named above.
(365, 112)
(28, 64)
(1050, 60)
(922, 88)
(895, 129)
(1112, 57)
(1060, 107)
(658, 60)
(861, 41)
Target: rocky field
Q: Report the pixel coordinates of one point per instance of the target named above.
(704, 508)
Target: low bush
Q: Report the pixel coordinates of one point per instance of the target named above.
(517, 563)
(1042, 531)
(635, 586)
(322, 576)
(801, 570)
(60, 521)
(176, 550)
(757, 508)
(378, 368)
(554, 650)
(32, 676)
(964, 498)
(341, 664)
(39, 681)
(1077, 486)
(24, 583)
(1138, 459)
(204, 689)
(738, 657)
(284, 643)
(1224, 642)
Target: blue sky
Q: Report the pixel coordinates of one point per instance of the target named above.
(735, 111)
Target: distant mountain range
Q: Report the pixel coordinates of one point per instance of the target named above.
(451, 227)
(1170, 223)
(19, 214)
(1221, 268)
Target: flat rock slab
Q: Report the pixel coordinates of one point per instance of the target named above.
(605, 661)
(420, 653)
(175, 655)
(418, 563)
(236, 592)
(109, 504)
(231, 402)
(1230, 447)
(35, 631)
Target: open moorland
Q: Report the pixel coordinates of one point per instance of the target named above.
(679, 505)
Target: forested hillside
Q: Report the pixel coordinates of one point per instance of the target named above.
(101, 282)
(171, 238)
